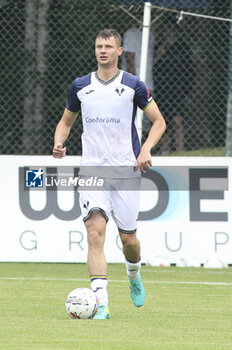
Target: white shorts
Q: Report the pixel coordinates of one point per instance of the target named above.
(123, 205)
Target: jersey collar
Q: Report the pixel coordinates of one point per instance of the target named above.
(109, 81)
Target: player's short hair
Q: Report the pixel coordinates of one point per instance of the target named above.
(108, 33)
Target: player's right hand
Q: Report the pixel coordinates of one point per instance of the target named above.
(59, 151)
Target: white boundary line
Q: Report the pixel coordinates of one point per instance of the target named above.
(114, 281)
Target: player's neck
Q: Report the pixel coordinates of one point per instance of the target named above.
(106, 73)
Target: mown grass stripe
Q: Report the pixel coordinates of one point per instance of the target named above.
(115, 281)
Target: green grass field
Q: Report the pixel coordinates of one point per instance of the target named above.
(185, 309)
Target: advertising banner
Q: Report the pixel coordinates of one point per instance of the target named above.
(185, 209)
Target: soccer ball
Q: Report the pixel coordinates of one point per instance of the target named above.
(81, 303)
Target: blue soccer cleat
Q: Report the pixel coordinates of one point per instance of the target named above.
(137, 292)
(102, 313)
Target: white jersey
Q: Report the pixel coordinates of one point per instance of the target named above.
(108, 112)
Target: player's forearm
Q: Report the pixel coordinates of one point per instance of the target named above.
(62, 132)
(144, 160)
(157, 130)
(64, 126)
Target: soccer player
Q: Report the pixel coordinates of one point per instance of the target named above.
(108, 99)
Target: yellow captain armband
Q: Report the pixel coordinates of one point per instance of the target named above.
(149, 104)
(72, 113)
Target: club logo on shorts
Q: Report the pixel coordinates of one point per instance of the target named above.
(34, 178)
(86, 205)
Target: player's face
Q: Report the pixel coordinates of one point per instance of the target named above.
(107, 51)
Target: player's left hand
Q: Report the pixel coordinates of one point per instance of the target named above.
(144, 160)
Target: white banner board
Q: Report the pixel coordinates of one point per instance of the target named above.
(190, 216)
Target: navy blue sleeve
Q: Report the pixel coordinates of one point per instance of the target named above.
(142, 96)
(73, 103)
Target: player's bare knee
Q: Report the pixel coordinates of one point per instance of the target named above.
(95, 238)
